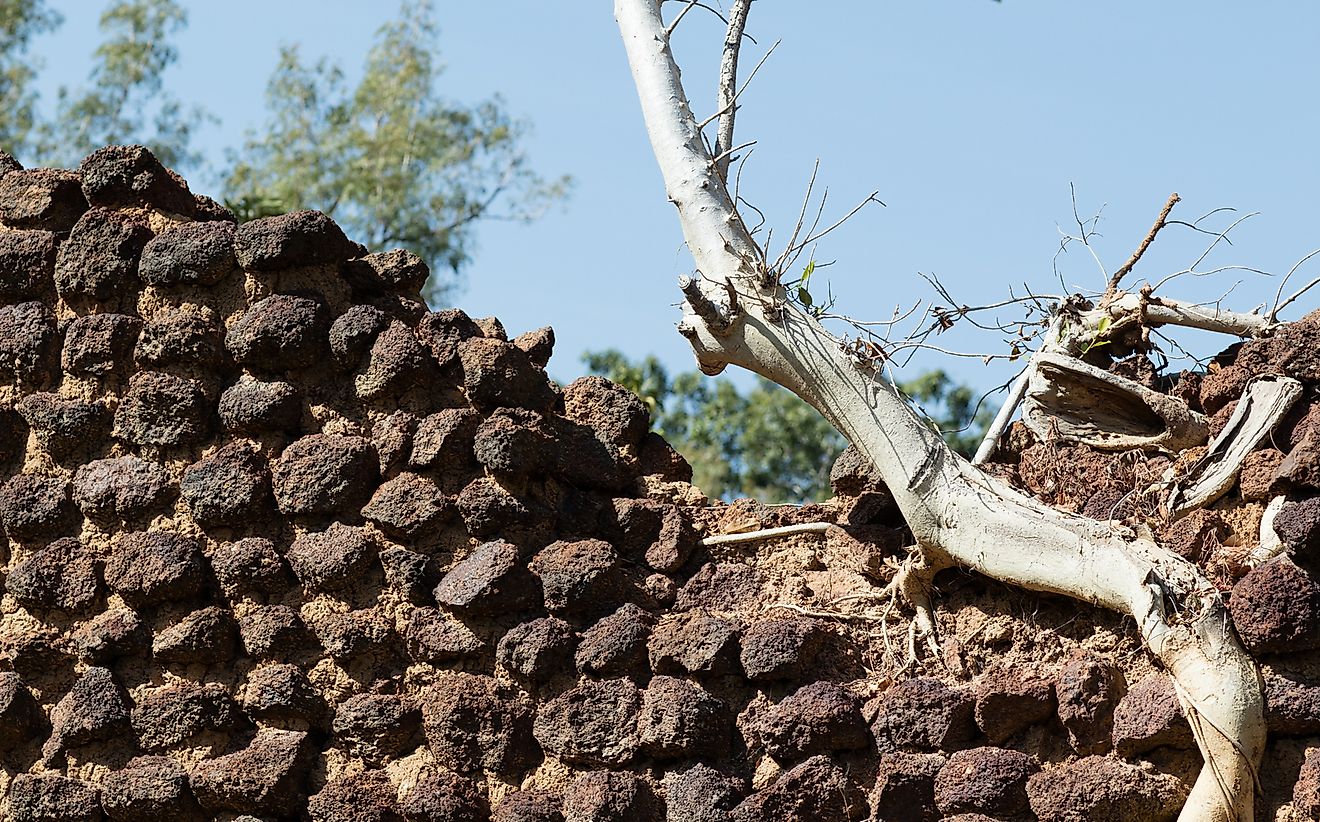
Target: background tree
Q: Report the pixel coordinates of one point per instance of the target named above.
(126, 101)
(20, 21)
(767, 443)
(391, 160)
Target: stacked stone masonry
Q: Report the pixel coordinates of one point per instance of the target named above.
(280, 542)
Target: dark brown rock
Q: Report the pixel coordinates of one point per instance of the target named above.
(616, 645)
(815, 789)
(474, 723)
(529, 806)
(365, 631)
(94, 709)
(444, 439)
(20, 716)
(817, 718)
(776, 649)
(1088, 690)
(498, 374)
(392, 437)
(1010, 698)
(613, 412)
(167, 716)
(324, 474)
(376, 726)
(63, 576)
(408, 506)
(701, 794)
(1196, 536)
(1256, 482)
(27, 265)
(924, 715)
(148, 789)
(406, 572)
(720, 586)
(1276, 608)
(99, 261)
(283, 332)
(62, 425)
(282, 692)
(208, 635)
(658, 458)
(444, 331)
(29, 343)
(99, 343)
(397, 362)
(1298, 526)
(331, 559)
(271, 632)
(359, 797)
(992, 781)
(43, 198)
(488, 508)
(433, 637)
(252, 406)
(229, 487)
(1148, 717)
(694, 642)
(397, 270)
(535, 651)
(189, 254)
(905, 787)
(353, 332)
(121, 488)
(150, 567)
(266, 777)
(538, 344)
(300, 238)
(119, 176)
(611, 796)
(852, 474)
(188, 335)
(1292, 707)
(593, 725)
(1098, 787)
(163, 409)
(1306, 791)
(49, 797)
(249, 566)
(680, 720)
(445, 797)
(33, 506)
(581, 577)
(118, 632)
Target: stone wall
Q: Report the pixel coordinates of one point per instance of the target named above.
(281, 543)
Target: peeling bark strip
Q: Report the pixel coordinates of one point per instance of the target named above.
(957, 513)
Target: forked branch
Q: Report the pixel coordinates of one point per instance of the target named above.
(958, 514)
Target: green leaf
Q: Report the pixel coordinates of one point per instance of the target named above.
(806, 274)
(804, 296)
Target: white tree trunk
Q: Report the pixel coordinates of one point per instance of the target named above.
(735, 314)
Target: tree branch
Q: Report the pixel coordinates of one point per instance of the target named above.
(1126, 268)
(726, 102)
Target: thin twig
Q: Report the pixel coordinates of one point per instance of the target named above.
(712, 118)
(728, 88)
(669, 31)
(1279, 306)
(768, 533)
(1126, 268)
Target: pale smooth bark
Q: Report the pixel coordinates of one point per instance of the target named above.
(736, 313)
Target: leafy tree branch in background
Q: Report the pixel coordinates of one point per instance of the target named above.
(767, 443)
(391, 160)
(20, 21)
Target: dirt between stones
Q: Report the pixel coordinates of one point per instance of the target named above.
(280, 542)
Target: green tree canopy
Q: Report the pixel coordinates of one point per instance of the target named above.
(767, 443)
(391, 160)
(20, 21)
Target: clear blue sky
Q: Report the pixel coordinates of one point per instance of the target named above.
(971, 119)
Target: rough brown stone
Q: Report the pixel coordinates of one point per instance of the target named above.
(1276, 608)
(331, 559)
(924, 715)
(300, 238)
(1098, 787)
(491, 579)
(99, 343)
(324, 474)
(27, 265)
(283, 332)
(359, 797)
(94, 709)
(229, 487)
(282, 692)
(249, 566)
(189, 254)
(992, 781)
(45, 198)
(474, 723)
(777, 649)
(51, 797)
(62, 576)
(1088, 690)
(610, 796)
(680, 720)
(696, 643)
(120, 176)
(582, 577)
(163, 409)
(593, 725)
(150, 567)
(432, 637)
(208, 635)
(535, 651)
(252, 406)
(167, 716)
(29, 343)
(617, 644)
(266, 777)
(408, 506)
(817, 718)
(1010, 698)
(1148, 717)
(121, 488)
(148, 789)
(376, 726)
(118, 632)
(815, 789)
(905, 787)
(99, 261)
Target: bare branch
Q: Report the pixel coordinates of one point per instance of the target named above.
(768, 533)
(1126, 268)
(669, 32)
(1279, 306)
(728, 92)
